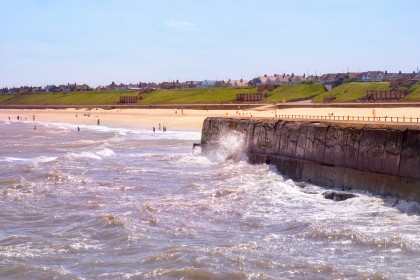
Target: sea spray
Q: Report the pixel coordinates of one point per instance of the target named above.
(231, 145)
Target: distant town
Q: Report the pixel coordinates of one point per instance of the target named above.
(329, 81)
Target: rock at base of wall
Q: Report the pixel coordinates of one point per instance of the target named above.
(337, 196)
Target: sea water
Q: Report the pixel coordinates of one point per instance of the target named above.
(129, 203)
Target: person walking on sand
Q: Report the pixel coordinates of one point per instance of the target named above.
(78, 128)
(99, 122)
(153, 129)
(374, 114)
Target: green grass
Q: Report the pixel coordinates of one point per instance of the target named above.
(343, 93)
(67, 98)
(352, 91)
(414, 93)
(295, 92)
(195, 95)
(5, 97)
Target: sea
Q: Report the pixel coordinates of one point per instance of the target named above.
(116, 202)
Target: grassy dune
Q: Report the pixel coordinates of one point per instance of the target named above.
(344, 93)
(67, 98)
(295, 92)
(414, 93)
(352, 91)
(195, 95)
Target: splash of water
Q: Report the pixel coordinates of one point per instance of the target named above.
(231, 145)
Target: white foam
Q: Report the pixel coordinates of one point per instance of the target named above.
(40, 159)
(98, 154)
(105, 152)
(231, 146)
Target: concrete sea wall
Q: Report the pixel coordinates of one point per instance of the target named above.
(379, 159)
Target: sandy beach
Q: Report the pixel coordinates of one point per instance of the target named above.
(187, 118)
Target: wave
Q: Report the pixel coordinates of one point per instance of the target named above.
(230, 146)
(98, 155)
(40, 159)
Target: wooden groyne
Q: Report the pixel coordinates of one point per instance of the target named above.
(382, 159)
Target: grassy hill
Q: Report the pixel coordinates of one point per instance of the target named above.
(66, 98)
(195, 95)
(344, 93)
(175, 96)
(352, 91)
(414, 93)
(295, 92)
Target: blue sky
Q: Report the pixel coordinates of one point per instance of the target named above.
(99, 41)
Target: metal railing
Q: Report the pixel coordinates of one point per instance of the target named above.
(402, 119)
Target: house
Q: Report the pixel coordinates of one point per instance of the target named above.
(353, 76)
(51, 88)
(328, 78)
(83, 87)
(277, 79)
(74, 87)
(112, 86)
(372, 76)
(187, 84)
(332, 80)
(167, 85)
(262, 80)
(253, 82)
(237, 83)
(152, 85)
(133, 86)
(284, 79)
(207, 84)
(297, 79)
(416, 77)
(37, 89)
(271, 80)
(25, 89)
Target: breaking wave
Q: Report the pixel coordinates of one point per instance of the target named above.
(230, 146)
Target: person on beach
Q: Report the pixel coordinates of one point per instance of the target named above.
(18, 117)
(78, 128)
(33, 117)
(153, 129)
(159, 127)
(99, 122)
(8, 117)
(34, 127)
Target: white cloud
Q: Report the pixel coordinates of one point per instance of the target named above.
(181, 25)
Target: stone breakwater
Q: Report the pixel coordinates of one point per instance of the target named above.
(382, 159)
